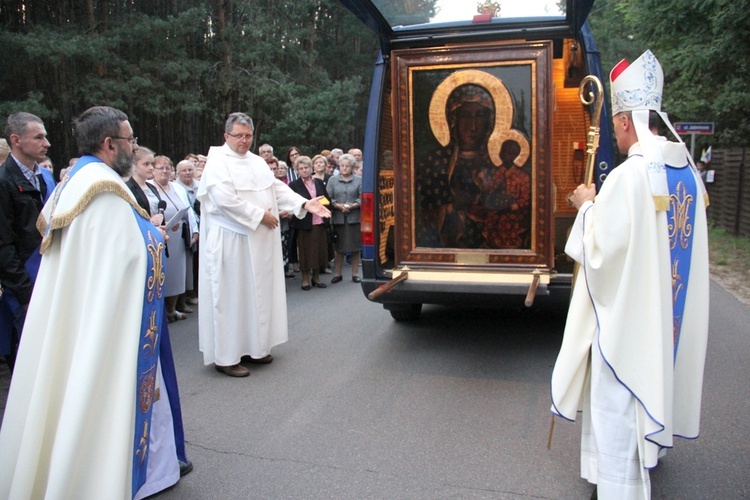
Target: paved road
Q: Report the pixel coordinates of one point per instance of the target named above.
(453, 406)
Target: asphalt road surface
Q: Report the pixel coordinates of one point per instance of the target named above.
(456, 405)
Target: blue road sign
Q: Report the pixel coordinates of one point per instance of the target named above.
(684, 128)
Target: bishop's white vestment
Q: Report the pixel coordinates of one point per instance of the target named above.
(69, 429)
(628, 360)
(242, 294)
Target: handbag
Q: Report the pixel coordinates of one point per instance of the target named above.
(186, 235)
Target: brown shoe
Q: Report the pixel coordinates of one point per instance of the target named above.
(234, 370)
(257, 361)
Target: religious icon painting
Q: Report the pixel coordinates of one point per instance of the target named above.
(474, 130)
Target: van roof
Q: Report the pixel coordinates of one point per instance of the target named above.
(413, 22)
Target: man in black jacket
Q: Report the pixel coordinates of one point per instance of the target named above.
(24, 188)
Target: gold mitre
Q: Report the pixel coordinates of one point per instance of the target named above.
(637, 86)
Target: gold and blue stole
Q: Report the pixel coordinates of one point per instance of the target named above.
(148, 348)
(680, 220)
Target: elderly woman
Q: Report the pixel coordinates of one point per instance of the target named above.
(199, 167)
(177, 277)
(311, 231)
(345, 191)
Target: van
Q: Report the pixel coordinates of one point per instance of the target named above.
(476, 133)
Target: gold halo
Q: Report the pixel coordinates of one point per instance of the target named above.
(503, 113)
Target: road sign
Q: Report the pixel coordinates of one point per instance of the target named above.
(685, 128)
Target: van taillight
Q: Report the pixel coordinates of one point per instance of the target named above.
(367, 218)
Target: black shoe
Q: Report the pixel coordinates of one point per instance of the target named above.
(336, 279)
(318, 284)
(185, 467)
(306, 287)
(257, 361)
(356, 279)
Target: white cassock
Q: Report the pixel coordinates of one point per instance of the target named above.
(617, 361)
(68, 428)
(242, 293)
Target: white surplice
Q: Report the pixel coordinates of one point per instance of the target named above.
(641, 394)
(242, 294)
(68, 428)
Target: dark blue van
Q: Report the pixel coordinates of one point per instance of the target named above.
(475, 135)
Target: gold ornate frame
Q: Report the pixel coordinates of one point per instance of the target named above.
(518, 77)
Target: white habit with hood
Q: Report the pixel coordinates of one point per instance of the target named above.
(242, 292)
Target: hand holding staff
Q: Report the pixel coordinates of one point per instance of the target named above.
(587, 191)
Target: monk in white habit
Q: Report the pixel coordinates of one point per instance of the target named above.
(634, 347)
(242, 295)
(91, 410)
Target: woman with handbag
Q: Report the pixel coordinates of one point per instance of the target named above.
(345, 191)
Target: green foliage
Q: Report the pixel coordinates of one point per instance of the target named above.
(296, 66)
(704, 48)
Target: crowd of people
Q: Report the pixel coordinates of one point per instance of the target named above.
(260, 219)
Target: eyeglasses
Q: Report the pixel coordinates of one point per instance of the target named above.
(131, 140)
(247, 137)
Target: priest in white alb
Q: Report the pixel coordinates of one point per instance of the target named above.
(634, 347)
(242, 294)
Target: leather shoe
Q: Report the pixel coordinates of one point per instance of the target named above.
(234, 370)
(336, 279)
(185, 467)
(257, 361)
(356, 279)
(305, 287)
(318, 284)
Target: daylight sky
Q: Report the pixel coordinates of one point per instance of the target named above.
(456, 10)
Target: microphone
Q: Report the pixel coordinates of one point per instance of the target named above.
(162, 206)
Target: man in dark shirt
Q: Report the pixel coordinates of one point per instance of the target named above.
(24, 188)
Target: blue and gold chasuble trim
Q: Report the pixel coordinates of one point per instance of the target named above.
(680, 220)
(148, 349)
(152, 314)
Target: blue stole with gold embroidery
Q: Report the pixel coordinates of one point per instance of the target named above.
(680, 220)
(148, 348)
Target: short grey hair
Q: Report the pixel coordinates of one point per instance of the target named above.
(303, 159)
(349, 159)
(18, 122)
(238, 118)
(96, 124)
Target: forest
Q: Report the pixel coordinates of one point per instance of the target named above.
(302, 68)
